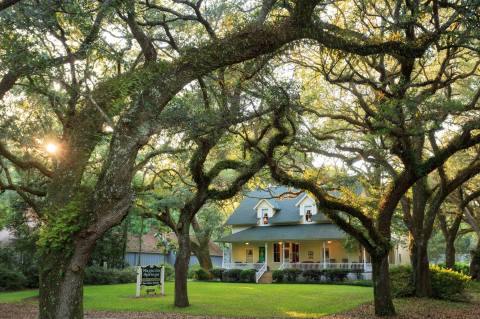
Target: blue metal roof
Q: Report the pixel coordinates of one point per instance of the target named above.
(285, 210)
(286, 232)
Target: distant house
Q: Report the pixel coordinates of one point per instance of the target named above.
(282, 228)
(151, 252)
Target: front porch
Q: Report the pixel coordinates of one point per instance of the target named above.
(303, 255)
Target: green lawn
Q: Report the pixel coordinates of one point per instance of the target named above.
(226, 299)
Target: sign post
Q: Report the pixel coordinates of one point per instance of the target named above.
(150, 276)
(139, 281)
(162, 279)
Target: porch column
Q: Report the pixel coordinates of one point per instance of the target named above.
(283, 252)
(223, 257)
(324, 256)
(266, 253)
(364, 259)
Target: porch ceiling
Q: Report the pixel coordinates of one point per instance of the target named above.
(287, 232)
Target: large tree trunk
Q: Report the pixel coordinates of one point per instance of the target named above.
(181, 267)
(475, 262)
(419, 240)
(420, 269)
(450, 253)
(61, 281)
(381, 287)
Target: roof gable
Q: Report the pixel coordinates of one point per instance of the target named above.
(281, 197)
(263, 200)
(303, 199)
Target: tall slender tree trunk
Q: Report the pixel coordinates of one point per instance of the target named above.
(181, 267)
(450, 252)
(475, 262)
(421, 269)
(381, 287)
(420, 231)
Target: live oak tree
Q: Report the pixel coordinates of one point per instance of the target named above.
(422, 207)
(214, 169)
(386, 108)
(120, 63)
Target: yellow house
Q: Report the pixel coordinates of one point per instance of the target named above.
(281, 228)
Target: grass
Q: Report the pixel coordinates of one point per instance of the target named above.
(225, 299)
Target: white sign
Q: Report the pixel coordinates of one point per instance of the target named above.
(150, 276)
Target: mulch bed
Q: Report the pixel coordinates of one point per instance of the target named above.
(408, 309)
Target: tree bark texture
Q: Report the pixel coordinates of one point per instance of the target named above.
(381, 287)
(181, 268)
(202, 252)
(421, 269)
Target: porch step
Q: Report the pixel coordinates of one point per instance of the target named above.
(266, 278)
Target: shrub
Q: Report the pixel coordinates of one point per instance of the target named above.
(192, 271)
(96, 275)
(169, 272)
(401, 281)
(277, 275)
(231, 275)
(11, 279)
(125, 276)
(31, 274)
(202, 275)
(292, 274)
(247, 275)
(312, 275)
(336, 274)
(447, 284)
(217, 273)
(358, 273)
(459, 267)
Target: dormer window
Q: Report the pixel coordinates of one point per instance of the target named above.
(265, 211)
(265, 216)
(308, 214)
(307, 209)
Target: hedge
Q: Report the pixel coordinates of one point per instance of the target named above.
(459, 267)
(446, 283)
(96, 275)
(217, 273)
(310, 275)
(285, 275)
(11, 279)
(225, 275)
(291, 274)
(202, 274)
(247, 275)
(401, 281)
(231, 275)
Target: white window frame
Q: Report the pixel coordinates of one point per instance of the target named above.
(308, 208)
(265, 212)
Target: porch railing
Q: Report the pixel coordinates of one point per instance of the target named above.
(364, 267)
(256, 266)
(259, 273)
